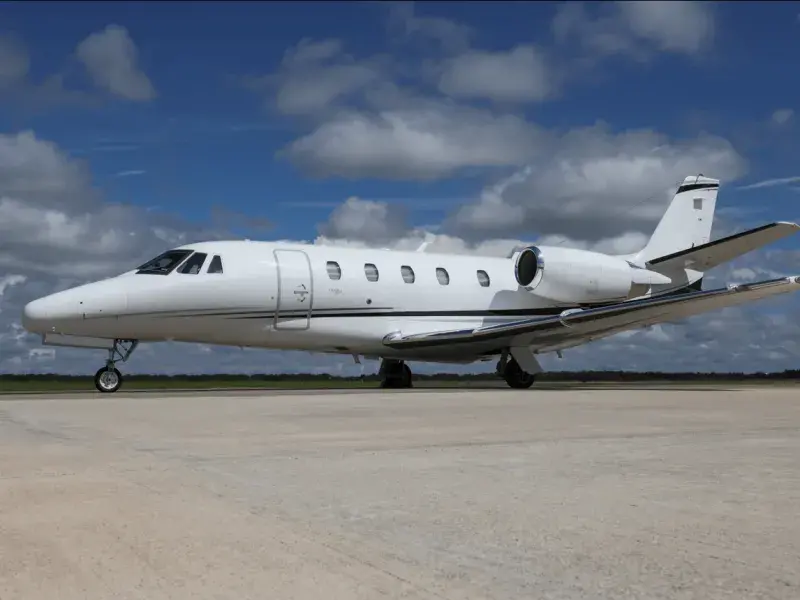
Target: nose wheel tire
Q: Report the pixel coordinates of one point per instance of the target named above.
(108, 380)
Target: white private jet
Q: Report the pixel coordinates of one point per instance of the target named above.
(408, 306)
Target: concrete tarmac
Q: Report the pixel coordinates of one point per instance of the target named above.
(557, 494)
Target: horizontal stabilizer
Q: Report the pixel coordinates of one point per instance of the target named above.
(712, 254)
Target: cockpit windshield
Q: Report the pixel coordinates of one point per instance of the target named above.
(163, 264)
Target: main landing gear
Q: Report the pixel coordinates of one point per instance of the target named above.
(513, 374)
(109, 379)
(395, 374)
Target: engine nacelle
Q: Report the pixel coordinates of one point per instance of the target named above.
(576, 276)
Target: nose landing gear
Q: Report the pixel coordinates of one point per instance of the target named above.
(108, 379)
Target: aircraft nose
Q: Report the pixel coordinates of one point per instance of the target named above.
(36, 315)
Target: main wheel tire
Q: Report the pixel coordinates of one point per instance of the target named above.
(108, 381)
(521, 382)
(516, 378)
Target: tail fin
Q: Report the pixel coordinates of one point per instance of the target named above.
(687, 222)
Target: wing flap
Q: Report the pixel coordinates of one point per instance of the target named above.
(576, 325)
(712, 254)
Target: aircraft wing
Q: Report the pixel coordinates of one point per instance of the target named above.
(712, 254)
(577, 326)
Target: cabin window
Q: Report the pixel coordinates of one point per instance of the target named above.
(698, 203)
(483, 278)
(163, 264)
(194, 264)
(442, 276)
(408, 274)
(334, 270)
(371, 271)
(216, 264)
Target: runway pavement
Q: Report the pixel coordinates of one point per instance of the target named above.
(563, 494)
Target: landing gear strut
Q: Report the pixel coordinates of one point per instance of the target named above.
(395, 374)
(108, 379)
(513, 374)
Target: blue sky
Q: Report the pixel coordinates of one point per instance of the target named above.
(365, 123)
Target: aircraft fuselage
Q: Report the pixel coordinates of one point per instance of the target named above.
(301, 297)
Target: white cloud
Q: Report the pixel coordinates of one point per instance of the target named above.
(53, 222)
(111, 57)
(309, 83)
(782, 116)
(519, 75)
(315, 76)
(635, 28)
(372, 222)
(672, 25)
(593, 184)
(423, 144)
(38, 171)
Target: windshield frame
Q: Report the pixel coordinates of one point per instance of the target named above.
(178, 256)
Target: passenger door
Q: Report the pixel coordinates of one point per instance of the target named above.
(295, 290)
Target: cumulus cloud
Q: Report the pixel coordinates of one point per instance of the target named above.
(675, 26)
(589, 187)
(593, 183)
(111, 59)
(366, 220)
(54, 222)
(635, 28)
(314, 75)
(519, 75)
(422, 144)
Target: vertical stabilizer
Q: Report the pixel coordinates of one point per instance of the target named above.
(688, 220)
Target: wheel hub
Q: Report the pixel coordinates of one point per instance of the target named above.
(109, 379)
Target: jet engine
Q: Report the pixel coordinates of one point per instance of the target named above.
(576, 276)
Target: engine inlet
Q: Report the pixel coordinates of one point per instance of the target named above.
(529, 263)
